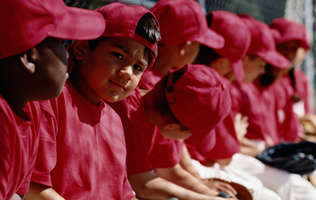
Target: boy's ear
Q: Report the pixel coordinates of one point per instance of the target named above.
(183, 47)
(28, 59)
(245, 58)
(79, 48)
(223, 62)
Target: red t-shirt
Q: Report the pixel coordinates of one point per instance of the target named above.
(18, 147)
(82, 150)
(288, 125)
(226, 144)
(245, 100)
(304, 89)
(146, 147)
(150, 78)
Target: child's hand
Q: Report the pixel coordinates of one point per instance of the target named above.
(241, 125)
(218, 185)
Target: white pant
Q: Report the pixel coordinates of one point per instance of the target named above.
(288, 186)
(238, 176)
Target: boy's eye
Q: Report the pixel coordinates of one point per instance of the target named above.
(118, 55)
(138, 68)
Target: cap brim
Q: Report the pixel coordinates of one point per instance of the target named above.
(211, 39)
(275, 59)
(203, 144)
(283, 39)
(79, 24)
(238, 70)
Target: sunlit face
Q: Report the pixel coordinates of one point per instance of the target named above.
(253, 67)
(175, 132)
(114, 68)
(51, 67)
(288, 49)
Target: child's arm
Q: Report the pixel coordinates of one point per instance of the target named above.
(186, 164)
(179, 176)
(15, 197)
(148, 186)
(42, 192)
(247, 147)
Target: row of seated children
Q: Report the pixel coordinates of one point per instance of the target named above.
(76, 141)
(262, 46)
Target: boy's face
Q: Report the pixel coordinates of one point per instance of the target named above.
(114, 68)
(253, 68)
(175, 132)
(288, 49)
(51, 67)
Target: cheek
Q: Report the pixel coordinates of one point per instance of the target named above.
(63, 54)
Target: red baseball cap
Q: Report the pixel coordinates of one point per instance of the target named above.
(184, 20)
(237, 38)
(263, 45)
(199, 100)
(290, 30)
(25, 23)
(121, 21)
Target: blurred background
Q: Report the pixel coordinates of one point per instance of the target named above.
(302, 11)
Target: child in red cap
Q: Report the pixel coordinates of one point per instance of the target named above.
(263, 100)
(33, 63)
(82, 152)
(189, 101)
(290, 37)
(176, 50)
(228, 62)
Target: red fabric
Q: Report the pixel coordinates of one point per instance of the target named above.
(185, 17)
(194, 153)
(203, 86)
(237, 39)
(165, 152)
(263, 45)
(245, 101)
(146, 147)
(288, 30)
(34, 20)
(82, 150)
(288, 127)
(304, 89)
(150, 78)
(18, 147)
(227, 143)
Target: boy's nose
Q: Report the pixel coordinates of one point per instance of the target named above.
(127, 72)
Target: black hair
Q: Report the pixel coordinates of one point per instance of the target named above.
(206, 56)
(147, 27)
(252, 57)
(160, 101)
(267, 78)
(209, 19)
(295, 97)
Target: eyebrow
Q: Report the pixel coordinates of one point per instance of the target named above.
(126, 51)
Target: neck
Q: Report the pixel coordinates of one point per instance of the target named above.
(153, 116)
(162, 65)
(16, 103)
(78, 82)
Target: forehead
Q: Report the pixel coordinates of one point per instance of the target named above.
(127, 44)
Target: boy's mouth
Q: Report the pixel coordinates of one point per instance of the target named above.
(119, 85)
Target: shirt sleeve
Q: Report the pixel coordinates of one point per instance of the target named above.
(5, 155)
(165, 152)
(47, 152)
